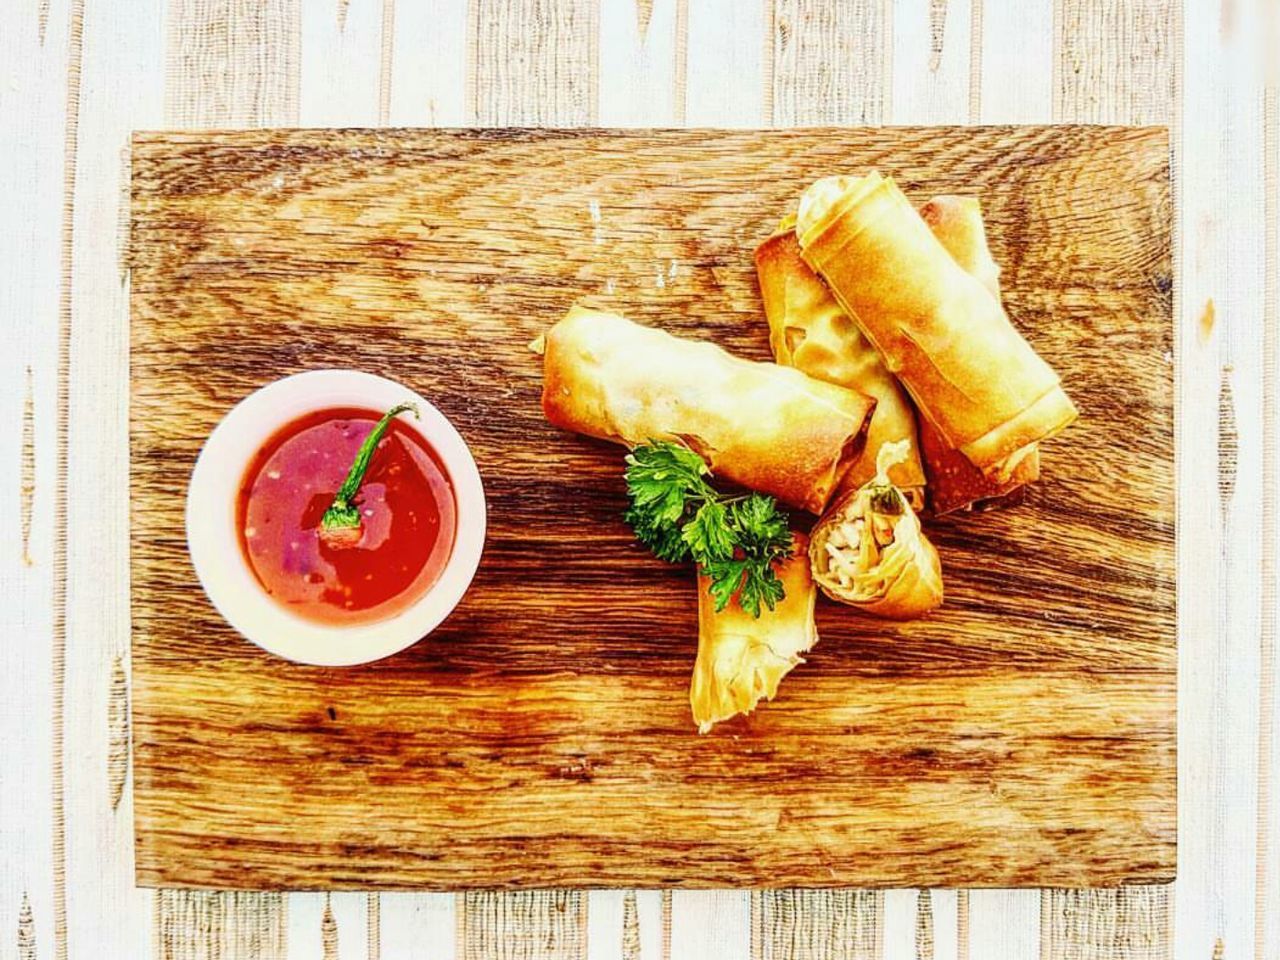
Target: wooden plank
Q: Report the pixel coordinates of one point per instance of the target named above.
(327, 926)
(1115, 60)
(607, 922)
(839, 924)
(642, 60)
(534, 63)
(725, 70)
(1004, 924)
(537, 924)
(1112, 63)
(1048, 661)
(232, 64)
(204, 925)
(827, 62)
(340, 57)
(418, 926)
(931, 61)
(105, 913)
(34, 108)
(1017, 54)
(899, 918)
(429, 65)
(1132, 922)
(36, 140)
(227, 65)
(1267, 868)
(710, 924)
(1220, 150)
(944, 905)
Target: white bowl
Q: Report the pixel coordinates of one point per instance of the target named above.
(214, 542)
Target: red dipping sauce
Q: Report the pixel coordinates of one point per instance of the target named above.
(407, 518)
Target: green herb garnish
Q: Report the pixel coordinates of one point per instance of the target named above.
(341, 522)
(677, 514)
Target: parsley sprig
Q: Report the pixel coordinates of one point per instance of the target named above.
(678, 515)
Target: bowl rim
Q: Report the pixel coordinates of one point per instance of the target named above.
(214, 544)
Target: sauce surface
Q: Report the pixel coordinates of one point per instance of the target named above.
(407, 518)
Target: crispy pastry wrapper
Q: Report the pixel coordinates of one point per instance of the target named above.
(954, 482)
(741, 658)
(957, 223)
(869, 551)
(767, 427)
(810, 331)
(938, 328)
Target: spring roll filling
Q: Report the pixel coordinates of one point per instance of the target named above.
(856, 544)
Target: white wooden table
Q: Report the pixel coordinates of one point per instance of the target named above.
(76, 76)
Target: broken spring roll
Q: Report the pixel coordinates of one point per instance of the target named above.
(869, 551)
(766, 427)
(810, 331)
(741, 658)
(938, 328)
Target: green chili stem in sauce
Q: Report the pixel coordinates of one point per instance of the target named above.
(341, 522)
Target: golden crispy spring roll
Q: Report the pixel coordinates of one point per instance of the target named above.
(869, 551)
(957, 223)
(808, 330)
(954, 482)
(767, 427)
(939, 329)
(741, 658)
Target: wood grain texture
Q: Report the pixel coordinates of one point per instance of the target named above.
(1024, 735)
(533, 924)
(820, 925)
(202, 925)
(1267, 866)
(1220, 158)
(534, 64)
(1128, 922)
(229, 64)
(1115, 61)
(924, 926)
(933, 79)
(828, 62)
(232, 64)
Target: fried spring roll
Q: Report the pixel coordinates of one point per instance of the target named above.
(954, 482)
(869, 550)
(741, 658)
(808, 330)
(767, 427)
(957, 223)
(938, 328)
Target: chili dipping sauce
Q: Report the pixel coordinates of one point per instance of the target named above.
(407, 518)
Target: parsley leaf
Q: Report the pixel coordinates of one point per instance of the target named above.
(708, 534)
(676, 513)
(762, 530)
(761, 585)
(726, 578)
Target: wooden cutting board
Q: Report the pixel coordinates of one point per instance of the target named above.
(1024, 735)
